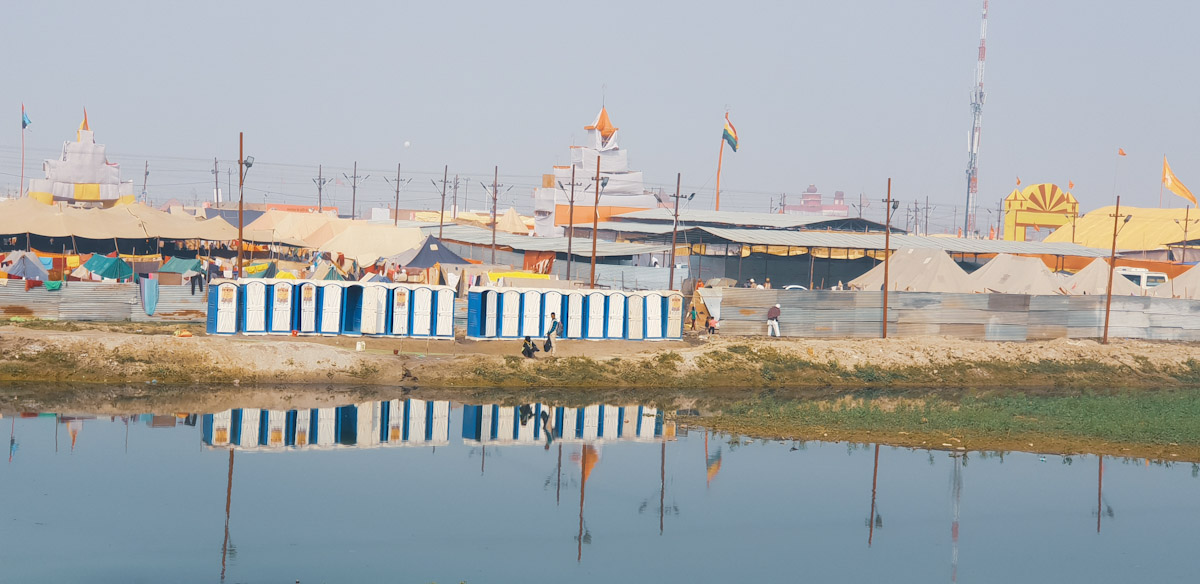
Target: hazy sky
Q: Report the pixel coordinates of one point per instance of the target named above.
(839, 94)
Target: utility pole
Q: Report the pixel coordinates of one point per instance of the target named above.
(442, 215)
(887, 251)
(354, 190)
(926, 215)
(398, 184)
(977, 99)
(320, 182)
(675, 232)
(1112, 266)
(571, 222)
(216, 184)
(596, 221)
(145, 177)
(495, 186)
(241, 200)
(454, 205)
(229, 182)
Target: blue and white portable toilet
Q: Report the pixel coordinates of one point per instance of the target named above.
(374, 309)
(594, 307)
(308, 308)
(254, 307)
(552, 302)
(444, 314)
(654, 315)
(491, 313)
(223, 309)
(510, 313)
(635, 323)
(282, 305)
(401, 310)
(331, 308)
(674, 302)
(422, 311)
(574, 317)
(352, 307)
(531, 313)
(615, 328)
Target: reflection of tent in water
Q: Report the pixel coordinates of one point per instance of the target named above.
(22, 264)
(105, 268)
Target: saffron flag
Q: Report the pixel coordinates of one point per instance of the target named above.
(730, 133)
(1070, 184)
(1172, 183)
(84, 125)
(1018, 181)
(1120, 152)
(24, 118)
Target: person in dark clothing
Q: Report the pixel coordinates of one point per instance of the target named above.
(528, 348)
(773, 321)
(711, 327)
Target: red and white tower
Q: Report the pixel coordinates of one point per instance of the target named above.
(977, 98)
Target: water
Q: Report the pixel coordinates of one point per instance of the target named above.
(408, 491)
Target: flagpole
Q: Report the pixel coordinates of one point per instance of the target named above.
(1160, 183)
(719, 158)
(21, 187)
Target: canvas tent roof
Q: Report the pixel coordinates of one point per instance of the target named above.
(1009, 274)
(430, 253)
(1187, 285)
(366, 242)
(917, 270)
(105, 267)
(301, 229)
(182, 266)
(1093, 279)
(511, 222)
(1147, 228)
(136, 221)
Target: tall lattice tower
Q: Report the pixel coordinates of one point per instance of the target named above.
(977, 98)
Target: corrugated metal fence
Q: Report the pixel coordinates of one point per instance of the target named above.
(100, 301)
(993, 317)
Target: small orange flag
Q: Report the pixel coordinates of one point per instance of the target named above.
(1018, 181)
(1070, 184)
(1172, 183)
(1120, 152)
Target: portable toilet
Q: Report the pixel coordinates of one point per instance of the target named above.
(282, 307)
(594, 311)
(439, 422)
(401, 304)
(575, 316)
(422, 312)
(444, 315)
(255, 307)
(531, 313)
(301, 422)
(474, 313)
(510, 313)
(674, 315)
(307, 308)
(374, 309)
(352, 309)
(616, 315)
(635, 324)
(331, 309)
(223, 309)
(552, 302)
(491, 313)
(654, 315)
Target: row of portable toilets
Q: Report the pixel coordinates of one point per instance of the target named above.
(513, 313)
(330, 308)
(411, 422)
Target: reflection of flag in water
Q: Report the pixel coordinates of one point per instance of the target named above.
(714, 464)
(587, 460)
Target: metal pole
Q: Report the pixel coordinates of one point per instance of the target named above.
(216, 184)
(674, 232)
(320, 186)
(442, 215)
(354, 193)
(495, 185)
(241, 201)
(887, 252)
(595, 221)
(396, 211)
(1186, 213)
(1112, 268)
(571, 222)
(874, 482)
(1100, 494)
(454, 202)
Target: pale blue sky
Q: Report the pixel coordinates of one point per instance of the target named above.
(840, 94)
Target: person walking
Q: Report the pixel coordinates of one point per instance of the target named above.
(773, 321)
(711, 327)
(552, 346)
(694, 316)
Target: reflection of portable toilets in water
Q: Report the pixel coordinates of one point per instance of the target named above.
(255, 307)
(300, 432)
(223, 309)
(308, 308)
(531, 313)
(218, 427)
(276, 426)
(616, 315)
(331, 309)
(444, 313)
(635, 325)
(374, 309)
(654, 315)
(401, 306)
(594, 310)
(417, 410)
(280, 295)
(326, 426)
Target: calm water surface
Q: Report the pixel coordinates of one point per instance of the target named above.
(413, 491)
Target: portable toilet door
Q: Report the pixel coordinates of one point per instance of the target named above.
(422, 311)
(256, 307)
(281, 308)
(331, 309)
(491, 307)
(352, 309)
(616, 316)
(574, 317)
(654, 315)
(401, 302)
(225, 306)
(444, 315)
(594, 329)
(531, 313)
(374, 309)
(308, 309)
(552, 303)
(510, 314)
(674, 316)
(635, 326)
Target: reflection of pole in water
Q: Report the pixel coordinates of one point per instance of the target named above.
(957, 486)
(482, 458)
(583, 473)
(228, 499)
(558, 481)
(871, 518)
(1100, 494)
(662, 485)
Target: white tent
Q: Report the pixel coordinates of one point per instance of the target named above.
(367, 242)
(1187, 285)
(1093, 280)
(1009, 274)
(917, 270)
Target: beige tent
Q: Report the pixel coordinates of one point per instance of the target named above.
(309, 229)
(367, 242)
(1187, 285)
(1009, 274)
(511, 222)
(917, 270)
(1093, 279)
(136, 221)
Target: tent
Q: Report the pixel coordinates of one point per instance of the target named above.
(104, 267)
(182, 266)
(430, 253)
(302, 229)
(327, 270)
(22, 264)
(366, 242)
(262, 270)
(1093, 279)
(511, 222)
(1187, 285)
(1009, 274)
(917, 270)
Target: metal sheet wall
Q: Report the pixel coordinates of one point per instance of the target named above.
(107, 301)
